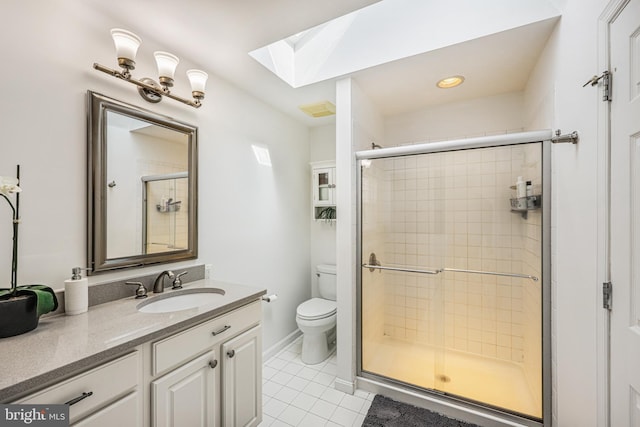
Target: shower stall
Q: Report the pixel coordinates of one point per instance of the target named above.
(165, 215)
(454, 277)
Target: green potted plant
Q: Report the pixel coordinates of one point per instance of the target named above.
(20, 306)
(327, 214)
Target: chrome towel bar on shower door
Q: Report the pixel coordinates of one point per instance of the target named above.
(407, 270)
(374, 264)
(492, 273)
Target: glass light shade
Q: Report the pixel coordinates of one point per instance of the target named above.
(167, 64)
(198, 80)
(126, 43)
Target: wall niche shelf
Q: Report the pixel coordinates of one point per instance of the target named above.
(323, 179)
(523, 205)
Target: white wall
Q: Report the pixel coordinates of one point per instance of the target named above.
(497, 114)
(254, 220)
(554, 99)
(322, 146)
(357, 124)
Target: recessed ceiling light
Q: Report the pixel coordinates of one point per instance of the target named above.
(449, 82)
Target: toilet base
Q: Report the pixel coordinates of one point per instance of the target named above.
(317, 347)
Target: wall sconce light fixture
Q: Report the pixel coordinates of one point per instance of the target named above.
(127, 45)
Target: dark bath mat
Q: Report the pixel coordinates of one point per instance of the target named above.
(385, 412)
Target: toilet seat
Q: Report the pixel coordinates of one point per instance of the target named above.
(315, 309)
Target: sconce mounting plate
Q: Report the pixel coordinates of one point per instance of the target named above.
(149, 95)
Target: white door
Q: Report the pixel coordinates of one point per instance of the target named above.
(625, 217)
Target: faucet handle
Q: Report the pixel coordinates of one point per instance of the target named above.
(141, 292)
(177, 283)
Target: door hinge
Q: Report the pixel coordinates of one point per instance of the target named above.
(606, 84)
(607, 291)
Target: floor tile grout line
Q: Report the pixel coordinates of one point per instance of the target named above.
(326, 374)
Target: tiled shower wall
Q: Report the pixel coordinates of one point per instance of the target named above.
(167, 230)
(452, 210)
(373, 295)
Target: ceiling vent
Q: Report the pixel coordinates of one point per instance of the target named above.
(319, 109)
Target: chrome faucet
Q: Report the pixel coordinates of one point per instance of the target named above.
(177, 282)
(158, 285)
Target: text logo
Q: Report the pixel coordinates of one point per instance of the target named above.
(34, 415)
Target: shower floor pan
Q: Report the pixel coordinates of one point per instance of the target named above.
(501, 384)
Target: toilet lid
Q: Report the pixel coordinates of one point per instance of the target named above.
(316, 308)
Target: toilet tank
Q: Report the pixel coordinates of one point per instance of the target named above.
(327, 281)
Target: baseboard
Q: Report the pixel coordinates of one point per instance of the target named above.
(344, 386)
(280, 345)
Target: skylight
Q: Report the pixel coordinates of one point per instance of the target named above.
(390, 30)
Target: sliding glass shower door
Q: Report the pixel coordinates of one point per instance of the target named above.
(451, 279)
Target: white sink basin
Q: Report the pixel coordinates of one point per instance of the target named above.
(181, 300)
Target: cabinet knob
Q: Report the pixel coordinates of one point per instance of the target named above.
(213, 364)
(231, 353)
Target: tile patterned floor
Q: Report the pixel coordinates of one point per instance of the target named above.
(295, 394)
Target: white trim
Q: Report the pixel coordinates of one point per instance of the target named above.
(323, 164)
(348, 387)
(345, 234)
(280, 345)
(603, 392)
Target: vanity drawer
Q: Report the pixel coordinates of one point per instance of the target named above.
(106, 383)
(184, 346)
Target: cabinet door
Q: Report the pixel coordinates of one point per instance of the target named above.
(187, 396)
(242, 379)
(123, 412)
(323, 186)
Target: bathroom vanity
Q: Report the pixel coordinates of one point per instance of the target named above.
(115, 365)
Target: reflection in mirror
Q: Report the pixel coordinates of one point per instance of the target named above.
(142, 187)
(164, 222)
(140, 153)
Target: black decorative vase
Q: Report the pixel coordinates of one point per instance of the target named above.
(18, 315)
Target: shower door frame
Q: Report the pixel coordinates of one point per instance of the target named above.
(467, 410)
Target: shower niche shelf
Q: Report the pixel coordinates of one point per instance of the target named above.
(169, 207)
(523, 205)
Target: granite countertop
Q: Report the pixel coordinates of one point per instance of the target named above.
(63, 345)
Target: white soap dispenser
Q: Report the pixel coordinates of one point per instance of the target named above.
(76, 293)
(521, 188)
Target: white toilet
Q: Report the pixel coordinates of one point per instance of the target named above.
(316, 318)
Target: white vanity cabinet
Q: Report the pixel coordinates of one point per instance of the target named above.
(210, 375)
(207, 375)
(105, 396)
